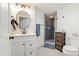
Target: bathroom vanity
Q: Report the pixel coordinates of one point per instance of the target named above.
(24, 45)
(23, 39)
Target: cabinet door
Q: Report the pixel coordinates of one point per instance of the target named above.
(18, 49)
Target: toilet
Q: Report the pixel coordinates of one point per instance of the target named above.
(72, 49)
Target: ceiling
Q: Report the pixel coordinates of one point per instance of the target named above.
(50, 8)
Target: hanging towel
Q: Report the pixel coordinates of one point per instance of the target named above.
(14, 22)
(38, 29)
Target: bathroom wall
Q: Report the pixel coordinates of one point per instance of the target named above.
(14, 10)
(68, 21)
(39, 19)
(4, 30)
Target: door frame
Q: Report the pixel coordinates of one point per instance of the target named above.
(55, 25)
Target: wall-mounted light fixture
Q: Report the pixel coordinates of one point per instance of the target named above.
(23, 5)
(51, 16)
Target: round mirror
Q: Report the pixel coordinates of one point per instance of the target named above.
(23, 19)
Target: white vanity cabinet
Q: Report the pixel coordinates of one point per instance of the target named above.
(24, 46)
(31, 48)
(17, 49)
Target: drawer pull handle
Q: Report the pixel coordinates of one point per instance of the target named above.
(30, 44)
(23, 43)
(30, 52)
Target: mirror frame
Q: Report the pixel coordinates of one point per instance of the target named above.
(20, 15)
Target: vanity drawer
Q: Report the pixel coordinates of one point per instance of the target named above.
(22, 38)
(31, 44)
(31, 52)
(18, 39)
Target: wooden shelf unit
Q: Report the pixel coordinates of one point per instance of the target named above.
(59, 40)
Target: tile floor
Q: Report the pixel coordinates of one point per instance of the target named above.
(42, 51)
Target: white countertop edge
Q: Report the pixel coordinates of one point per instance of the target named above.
(23, 35)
